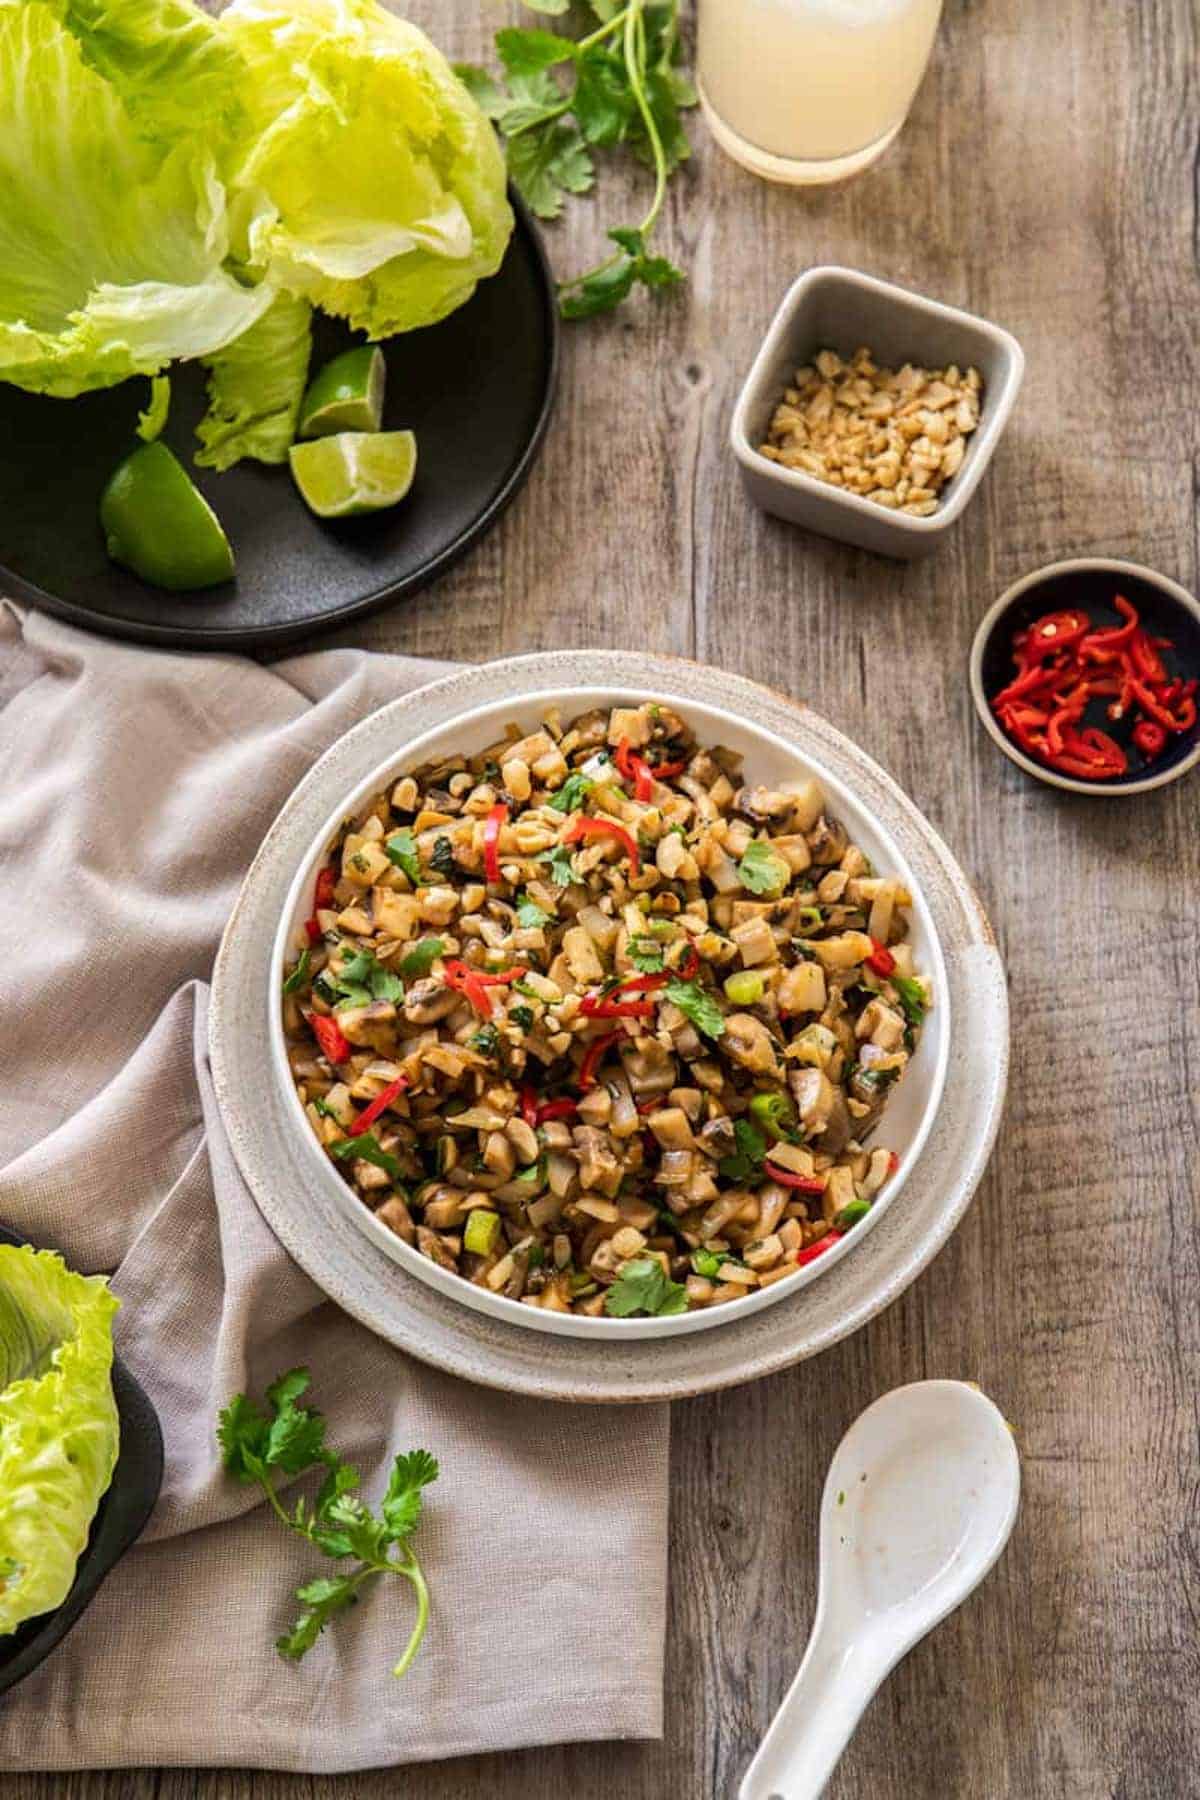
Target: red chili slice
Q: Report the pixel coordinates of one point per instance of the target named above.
(803, 1184)
(556, 1109)
(379, 1104)
(1149, 737)
(591, 1008)
(322, 896)
(634, 768)
(880, 959)
(529, 1106)
(1116, 636)
(465, 980)
(334, 1046)
(582, 827)
(1054, 632)
(593, 1056)
(811, 1253)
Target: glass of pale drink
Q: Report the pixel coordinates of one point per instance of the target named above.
(811, 90)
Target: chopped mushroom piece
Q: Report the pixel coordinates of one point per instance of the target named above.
(750, 1044)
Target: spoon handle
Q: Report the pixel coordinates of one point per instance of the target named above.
(816, 1721)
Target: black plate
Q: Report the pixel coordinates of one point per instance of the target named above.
(122, 1514)
(476, 389)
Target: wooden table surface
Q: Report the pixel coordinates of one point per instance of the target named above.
(1045, 180)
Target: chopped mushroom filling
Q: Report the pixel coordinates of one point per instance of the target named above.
(589, 1021)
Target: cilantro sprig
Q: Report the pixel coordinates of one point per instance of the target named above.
(620, 87)
(288, 1440)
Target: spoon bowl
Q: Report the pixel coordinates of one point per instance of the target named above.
(920, 1499)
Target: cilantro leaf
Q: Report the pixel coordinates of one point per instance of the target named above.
(401, 849)
(532, 100)
(698, 1005)
(548, 161)
(526, 52)
(385, 985)
(572, 794)
(522, 1016)
(296, 1440)
(242, 1434)
(604, 103)
(418, 961)
(531, 916)
(646, 956)
(562, 868)
(355, 969)
(401, 1505)
(486, 1040)
(764, 870)
(368, 1537)
(644, 1287)
(367, 1146)
(323, 1599)
(363, 979)
(299, 974)
(483, 89)
(912, 998)
(746, 1162)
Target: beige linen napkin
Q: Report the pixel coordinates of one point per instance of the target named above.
(134, 789)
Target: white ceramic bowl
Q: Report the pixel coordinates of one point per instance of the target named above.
(769, 759)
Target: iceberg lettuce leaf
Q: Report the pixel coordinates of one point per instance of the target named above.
(367, 178)
(169, 63)
(59, 1431)
(255, 386)
(111, 244)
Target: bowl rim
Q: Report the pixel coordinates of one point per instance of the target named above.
(993, 418)
(494, 714)
(1073, 565)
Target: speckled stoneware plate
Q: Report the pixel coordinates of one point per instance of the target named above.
(429, 1324)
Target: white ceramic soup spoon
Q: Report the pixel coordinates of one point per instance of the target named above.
(919, 1502)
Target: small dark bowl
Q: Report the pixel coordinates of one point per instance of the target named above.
(1090, 583)
(122, 1513)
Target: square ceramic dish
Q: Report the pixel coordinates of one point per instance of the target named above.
(839, 309)
(909, 1115)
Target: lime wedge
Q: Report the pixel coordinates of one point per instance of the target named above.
(158, 523)
(347, 394)
(355, 472)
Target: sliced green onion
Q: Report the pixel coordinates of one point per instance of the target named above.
(483, 1228)
(775, 1112)
(851, 1214)
(745, 988)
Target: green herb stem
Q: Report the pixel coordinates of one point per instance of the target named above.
(606, 30)
(542, 118)
(635, 58)
(411, 1570)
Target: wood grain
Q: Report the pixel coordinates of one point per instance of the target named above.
(1047, 179)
